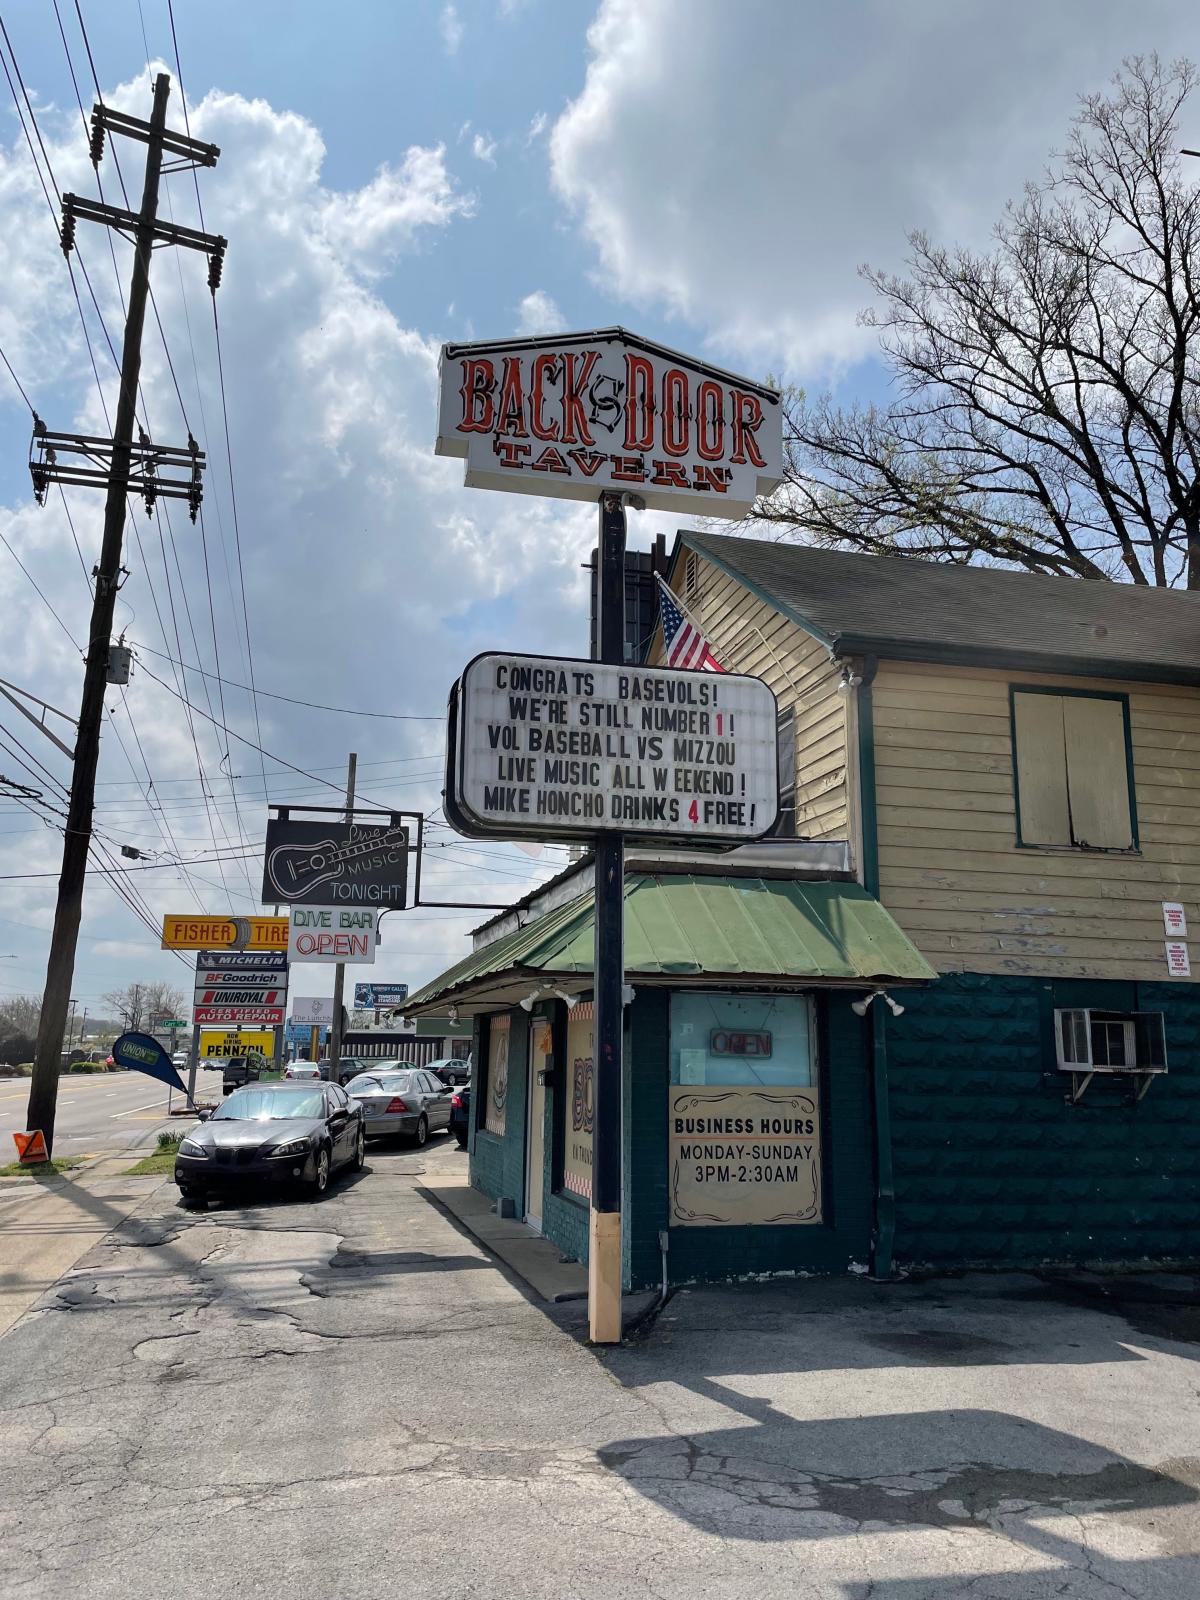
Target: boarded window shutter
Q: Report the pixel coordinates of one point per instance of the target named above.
(1042, 769)
(1097, 777)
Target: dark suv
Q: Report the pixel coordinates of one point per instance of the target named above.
(242, 1069)
(348, 1067)
(451, 1069)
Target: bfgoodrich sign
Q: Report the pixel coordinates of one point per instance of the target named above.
(574, 415)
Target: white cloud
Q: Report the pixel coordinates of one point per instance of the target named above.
(374, 224)
(371, 574)
(538, 313)
(538, 124)
(732, 165)
(483, 148)
(452, 29)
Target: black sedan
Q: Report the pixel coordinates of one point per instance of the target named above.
(273, 1133)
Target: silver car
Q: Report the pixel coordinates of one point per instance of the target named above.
(400, 1099)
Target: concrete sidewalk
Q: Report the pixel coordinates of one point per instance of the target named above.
(537, 1262)
(47, 1224)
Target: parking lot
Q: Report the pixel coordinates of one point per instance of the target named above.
(346, 1387)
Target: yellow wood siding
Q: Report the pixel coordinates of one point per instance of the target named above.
(749, 636)
(949, 865)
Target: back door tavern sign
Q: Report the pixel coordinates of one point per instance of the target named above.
(581, 413)
(606, 416)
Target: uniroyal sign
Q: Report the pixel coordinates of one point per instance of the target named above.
(579, 413)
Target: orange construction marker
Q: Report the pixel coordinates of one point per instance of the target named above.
(31, 1147)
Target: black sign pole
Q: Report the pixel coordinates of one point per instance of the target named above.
(604, 1244)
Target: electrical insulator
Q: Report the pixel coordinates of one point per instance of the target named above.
(120, 663)
(216, 263)
(68, 230)
(96, 144)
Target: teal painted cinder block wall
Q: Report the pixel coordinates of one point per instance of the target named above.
(715, 1254)
(497, 1165)
(992, 1166)
(696, 1254)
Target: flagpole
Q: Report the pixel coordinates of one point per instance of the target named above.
(801, 698)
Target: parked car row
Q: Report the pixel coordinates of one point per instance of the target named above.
(302, 1130)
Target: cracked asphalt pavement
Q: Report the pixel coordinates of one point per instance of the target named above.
(348, 1397)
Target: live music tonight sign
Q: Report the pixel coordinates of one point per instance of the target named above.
(322, 863)
(578, 413)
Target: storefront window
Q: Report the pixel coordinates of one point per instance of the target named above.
(741, 1039)
(578, 1101)
(496, 1087)
(743, 1112)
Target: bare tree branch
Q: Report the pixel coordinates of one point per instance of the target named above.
(1048, 390)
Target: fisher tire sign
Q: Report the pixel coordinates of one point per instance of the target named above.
(544, 747)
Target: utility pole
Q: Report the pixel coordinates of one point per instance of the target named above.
(604, 1234)
(121, 466)
(339, 972)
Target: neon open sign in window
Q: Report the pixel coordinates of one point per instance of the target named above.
(733, 1042)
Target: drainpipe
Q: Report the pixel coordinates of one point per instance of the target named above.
(885, 1187)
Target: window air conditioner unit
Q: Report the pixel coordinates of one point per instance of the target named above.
(1110, 1042)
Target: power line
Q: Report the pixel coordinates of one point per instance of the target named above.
(242, 739)
(237, 535)
(292, 700)
(38, 591)
(17, 381)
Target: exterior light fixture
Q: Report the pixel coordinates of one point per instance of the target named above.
(861, 1007)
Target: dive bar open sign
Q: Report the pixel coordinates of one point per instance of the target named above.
(579, 413)
(547, 747)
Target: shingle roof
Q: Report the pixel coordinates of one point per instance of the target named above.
(909, 609)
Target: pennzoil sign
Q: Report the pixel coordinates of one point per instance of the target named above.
(579, 413)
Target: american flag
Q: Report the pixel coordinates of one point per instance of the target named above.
(685, 645)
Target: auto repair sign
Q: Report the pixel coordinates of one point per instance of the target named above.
(580, 413)
(236, 986)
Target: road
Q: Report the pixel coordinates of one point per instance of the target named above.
(213, 1403)
(97, 1112)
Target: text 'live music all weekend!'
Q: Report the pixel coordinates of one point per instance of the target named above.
(592, 743)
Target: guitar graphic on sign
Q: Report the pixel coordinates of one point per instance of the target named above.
(294, 869)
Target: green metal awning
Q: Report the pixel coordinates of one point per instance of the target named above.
(689, 929)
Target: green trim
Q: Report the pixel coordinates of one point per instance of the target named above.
(884, 1235)
(848, 644)
(830, 643)
(867, 804)
(1015, 689)
(883, 1240)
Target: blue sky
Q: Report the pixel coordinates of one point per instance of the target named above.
(392, 176)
